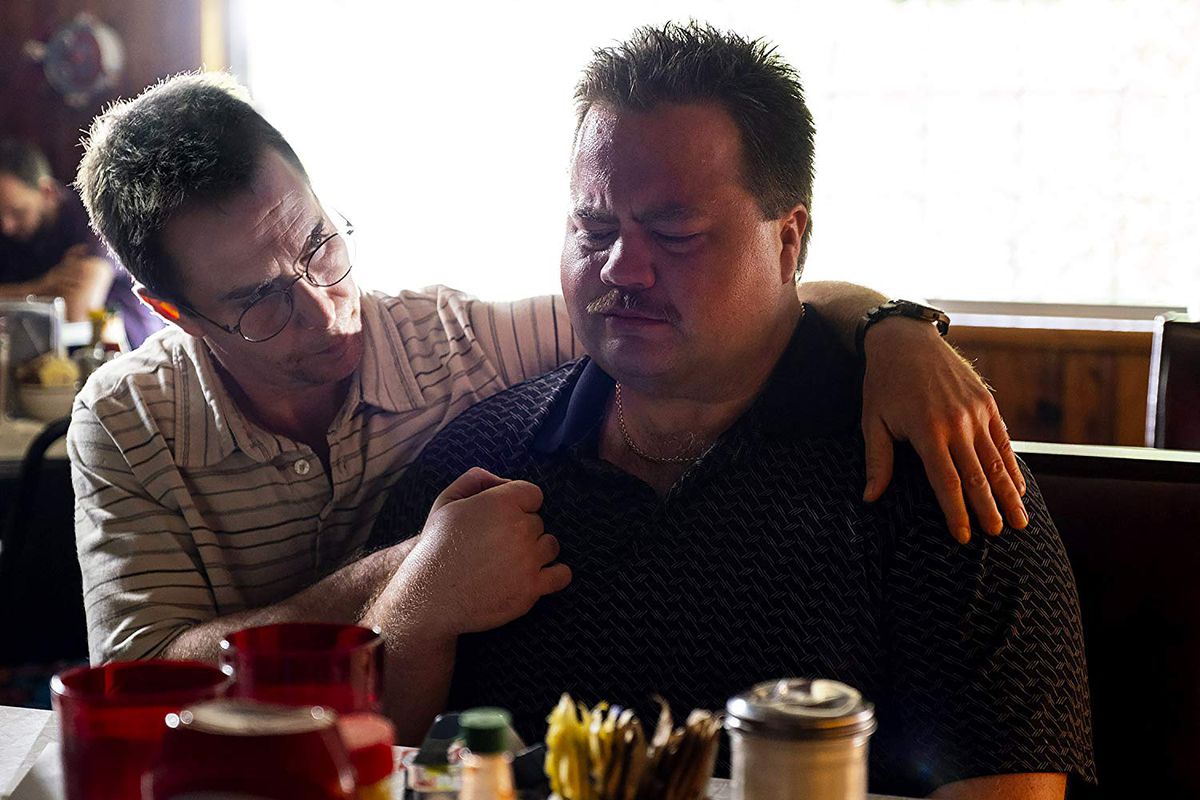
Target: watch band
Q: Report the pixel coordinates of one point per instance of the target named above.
(899, 308)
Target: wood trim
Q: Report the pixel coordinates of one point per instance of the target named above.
(1126, 342)
(1114, 463)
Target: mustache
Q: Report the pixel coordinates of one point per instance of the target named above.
(632, 301)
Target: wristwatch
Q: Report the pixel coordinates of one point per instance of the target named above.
(900, 308)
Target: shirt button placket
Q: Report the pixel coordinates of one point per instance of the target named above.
(302, 466)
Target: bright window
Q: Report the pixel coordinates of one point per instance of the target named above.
(1032, 151)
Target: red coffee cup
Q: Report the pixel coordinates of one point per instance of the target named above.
(244, 749)
(307, 664)
(111, 720)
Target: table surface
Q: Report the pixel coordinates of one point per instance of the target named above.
(29, 765)
(24, 734)
(15, 435)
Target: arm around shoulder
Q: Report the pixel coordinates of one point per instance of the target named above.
(917, 388)
(525, 338)
(841, 304)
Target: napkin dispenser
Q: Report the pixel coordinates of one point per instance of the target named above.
(31, 327)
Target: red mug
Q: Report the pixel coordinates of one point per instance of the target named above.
(307, 664)
(240, 748)
(112, 720)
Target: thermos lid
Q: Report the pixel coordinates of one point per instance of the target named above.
(798, 708)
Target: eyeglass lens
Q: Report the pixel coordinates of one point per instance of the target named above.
(330, 262)
(328, 265)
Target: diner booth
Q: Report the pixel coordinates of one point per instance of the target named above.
(1101, 394)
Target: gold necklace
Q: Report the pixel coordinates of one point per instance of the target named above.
(639, 452)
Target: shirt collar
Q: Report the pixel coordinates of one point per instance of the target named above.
(208, 423)
(578, 410)
(384, 377)
(211, 425)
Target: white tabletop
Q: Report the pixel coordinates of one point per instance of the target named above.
(24, 734)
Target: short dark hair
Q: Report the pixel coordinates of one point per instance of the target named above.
(24, 161)
(191, 138)
(697, 63)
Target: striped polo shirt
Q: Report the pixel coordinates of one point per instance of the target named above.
(186, 510)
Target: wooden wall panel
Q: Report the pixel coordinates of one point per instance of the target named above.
(1071, 386)
(161, 37)
(1021, 380)
(1132, 374)
(1088, 398)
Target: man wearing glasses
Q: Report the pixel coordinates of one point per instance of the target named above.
(227, 473)
(325, 262)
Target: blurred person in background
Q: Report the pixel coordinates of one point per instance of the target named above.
(48, 250)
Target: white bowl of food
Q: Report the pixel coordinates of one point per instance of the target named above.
(45, 403)
(46, 387)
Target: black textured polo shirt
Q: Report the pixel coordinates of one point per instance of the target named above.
(764, 562)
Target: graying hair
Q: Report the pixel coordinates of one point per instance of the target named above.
(192, 138)
(697, 63)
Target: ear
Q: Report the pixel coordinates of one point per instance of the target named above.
(791, 238)
(168, 311)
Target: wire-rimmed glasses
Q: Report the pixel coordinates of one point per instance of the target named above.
(326, 263)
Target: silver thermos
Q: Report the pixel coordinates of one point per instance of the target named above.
(798, 739)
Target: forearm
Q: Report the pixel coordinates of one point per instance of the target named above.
(841, 304)
(1022, 786)
(82, 282)
(19, 291)
(342, 597)
(417, 670)
(419, 656)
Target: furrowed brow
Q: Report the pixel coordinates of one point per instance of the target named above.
(247, 291)
(592, 214)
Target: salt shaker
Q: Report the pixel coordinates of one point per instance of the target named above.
(798, 739)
